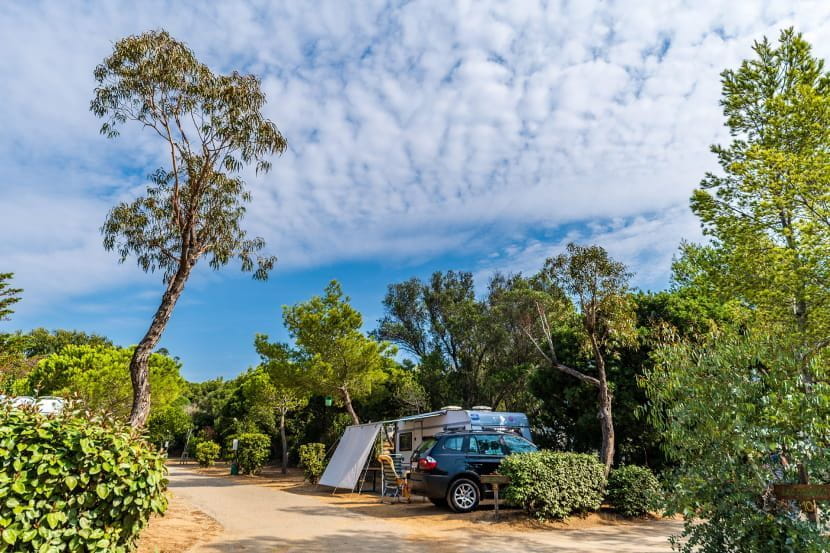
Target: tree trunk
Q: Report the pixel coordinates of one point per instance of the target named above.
(606, 419)
(139, 373)
(347, 400)
(284, 444)
(607, 423)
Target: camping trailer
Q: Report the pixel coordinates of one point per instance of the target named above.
(350, 459)
(410, 432)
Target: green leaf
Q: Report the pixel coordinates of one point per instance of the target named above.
(10, 536)
(70, 482)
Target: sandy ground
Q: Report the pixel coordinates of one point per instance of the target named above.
(181, 527)
(282, 514)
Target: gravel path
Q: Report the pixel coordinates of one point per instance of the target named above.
(257, 518)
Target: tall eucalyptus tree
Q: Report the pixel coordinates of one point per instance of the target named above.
(212, 127)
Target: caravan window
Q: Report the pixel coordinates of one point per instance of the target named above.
(405, 441)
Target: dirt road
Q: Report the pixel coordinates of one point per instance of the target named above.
(257, 518)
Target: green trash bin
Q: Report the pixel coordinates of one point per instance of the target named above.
(234, 468)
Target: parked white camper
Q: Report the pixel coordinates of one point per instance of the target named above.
(351, 457)
(45, 404)
(410, 432)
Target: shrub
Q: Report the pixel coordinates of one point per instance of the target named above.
(253, 451)
(312, 459)
(634, 491)
(207, 453)
(73, 483)
(550, 484)
(168, 424)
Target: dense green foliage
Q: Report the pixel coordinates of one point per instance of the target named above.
(554, 485)
(169, 425)
(634, 491)
(100, 377)
(747, 406)
(734, 418)
(313, 461)
(70, 483)
(207, 453)
(286, 382)
(253, 451)
(469, 353)
(337, 358)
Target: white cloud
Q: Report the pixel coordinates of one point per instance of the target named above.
(414, 130)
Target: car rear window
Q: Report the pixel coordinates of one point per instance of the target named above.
(453, 444)
(425, 446)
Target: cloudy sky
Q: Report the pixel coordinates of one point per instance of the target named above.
(422, 136)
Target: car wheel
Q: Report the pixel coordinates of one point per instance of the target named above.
(463, 495)
(438, 501)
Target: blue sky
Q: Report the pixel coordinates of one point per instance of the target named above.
(422, 135)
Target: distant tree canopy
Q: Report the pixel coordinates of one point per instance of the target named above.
(8, 296)
(99, 376)
(337, 358)
(40, 341)
(467, 353)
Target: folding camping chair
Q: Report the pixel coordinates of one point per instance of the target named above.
(394, 484)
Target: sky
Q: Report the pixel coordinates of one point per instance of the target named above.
(422, 136)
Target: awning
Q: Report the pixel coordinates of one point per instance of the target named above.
(422, 416)
(343, 470)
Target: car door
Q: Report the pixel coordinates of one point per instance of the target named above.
(450, 455)
(484, 453)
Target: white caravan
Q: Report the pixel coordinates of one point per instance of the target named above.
(350, 460)
(410, 432)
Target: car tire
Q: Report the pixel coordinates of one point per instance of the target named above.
(463, 495)
(438, 501)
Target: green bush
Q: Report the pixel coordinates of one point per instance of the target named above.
(553, 485)
(312, 459)
(73, 483)
(253, 451)
(634, 491)
(168, 424)
(206, 453)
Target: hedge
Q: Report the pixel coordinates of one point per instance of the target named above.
(206, 453)
(312, 459)
(634, 491)
(553, 485)
(73, 483)
(253, 451)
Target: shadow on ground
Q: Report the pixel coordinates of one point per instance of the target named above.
(623, 542)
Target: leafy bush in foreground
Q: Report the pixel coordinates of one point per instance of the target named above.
(71, 483)
(253, 452)
(551, 484)
(634, 491)
(206, 453)
(312, 459)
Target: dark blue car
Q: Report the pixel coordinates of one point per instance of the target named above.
(446, 467)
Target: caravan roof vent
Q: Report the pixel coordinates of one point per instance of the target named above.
(482, 408)
(450, 408)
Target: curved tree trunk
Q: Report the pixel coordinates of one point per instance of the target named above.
(139, 372)
(347, 401)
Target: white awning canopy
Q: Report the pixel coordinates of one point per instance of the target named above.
(343, 470)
